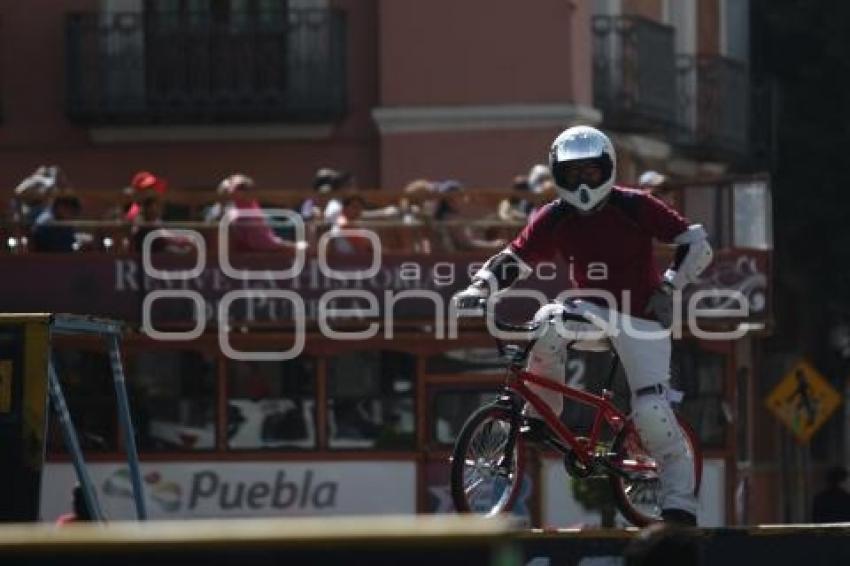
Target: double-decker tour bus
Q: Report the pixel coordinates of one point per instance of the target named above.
(256, 392)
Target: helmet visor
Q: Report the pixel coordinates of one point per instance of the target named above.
(593, 172)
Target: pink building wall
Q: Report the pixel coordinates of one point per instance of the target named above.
(478, 159)
(401, 53)
(474, 54)
(445, 52)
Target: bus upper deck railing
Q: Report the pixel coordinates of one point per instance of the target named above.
(417, 236)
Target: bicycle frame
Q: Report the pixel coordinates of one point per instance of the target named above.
(584, 449)
(605, 410)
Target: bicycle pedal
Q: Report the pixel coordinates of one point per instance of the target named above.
(574, 467)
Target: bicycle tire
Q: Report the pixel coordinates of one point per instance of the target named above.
(624, 443)
(465, 462)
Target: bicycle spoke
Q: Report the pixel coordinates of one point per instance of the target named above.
(488, 476)
(469, 489)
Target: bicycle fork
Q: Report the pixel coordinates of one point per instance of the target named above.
(510, 401)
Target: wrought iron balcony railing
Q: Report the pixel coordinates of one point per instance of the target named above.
(713, 114)
(634, 73)
(150, 67)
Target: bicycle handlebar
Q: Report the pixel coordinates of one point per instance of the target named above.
(517, 355)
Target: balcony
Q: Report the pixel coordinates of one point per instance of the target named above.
(3, 41)
(634, 73)
(191, 68)
(713, 114)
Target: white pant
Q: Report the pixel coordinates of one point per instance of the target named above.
(644, 349)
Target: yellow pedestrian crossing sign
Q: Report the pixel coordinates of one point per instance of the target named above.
(803, 400)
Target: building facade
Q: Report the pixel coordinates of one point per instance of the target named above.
(394, 90)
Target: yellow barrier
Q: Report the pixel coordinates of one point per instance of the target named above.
(24, 350)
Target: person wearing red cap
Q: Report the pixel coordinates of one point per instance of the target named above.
(143, 186)
(145, 213)
(145, 180)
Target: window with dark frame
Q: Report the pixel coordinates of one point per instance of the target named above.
(173, 399)
(701, 375)
(371, 401)
(222, 54)
(272, 404)
(450, 407)
(86, 379)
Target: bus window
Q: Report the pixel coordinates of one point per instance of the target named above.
(86, 379)
(371, 400)
(700, 375)
(451, 408)
(173, 398)
(271, 404)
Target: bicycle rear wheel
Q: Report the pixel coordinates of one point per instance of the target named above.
(636, 489)
(484, 478)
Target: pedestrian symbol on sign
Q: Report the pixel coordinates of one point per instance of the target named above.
(803, 400)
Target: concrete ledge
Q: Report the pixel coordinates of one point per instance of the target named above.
(130, 537)
(428, 540)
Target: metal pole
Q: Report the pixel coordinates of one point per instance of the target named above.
(127, 426)
(57, 401)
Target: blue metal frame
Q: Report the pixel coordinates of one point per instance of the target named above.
(111, 331)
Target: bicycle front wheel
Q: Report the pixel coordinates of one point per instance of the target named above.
(485, 478)
(636, 488)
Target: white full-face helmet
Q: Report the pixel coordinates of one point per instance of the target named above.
(583, 165)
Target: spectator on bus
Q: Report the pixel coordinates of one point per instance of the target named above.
(516, 207)
(143, 185)
(250, 230)
(332, 186)
(148, 219)
(419, 201)
(352, 211)
(539, 178)
(455, 214)
(416, 209)
(32, 195)
(144, 211)
(542, 186)
(214, 212)
(51, 234)
(324, 206)
(656, 184)
(80, 509)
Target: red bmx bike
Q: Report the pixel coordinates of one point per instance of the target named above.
(488, 460)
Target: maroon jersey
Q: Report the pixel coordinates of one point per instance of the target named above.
(609, 249)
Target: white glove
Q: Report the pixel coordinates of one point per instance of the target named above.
(471, 298)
